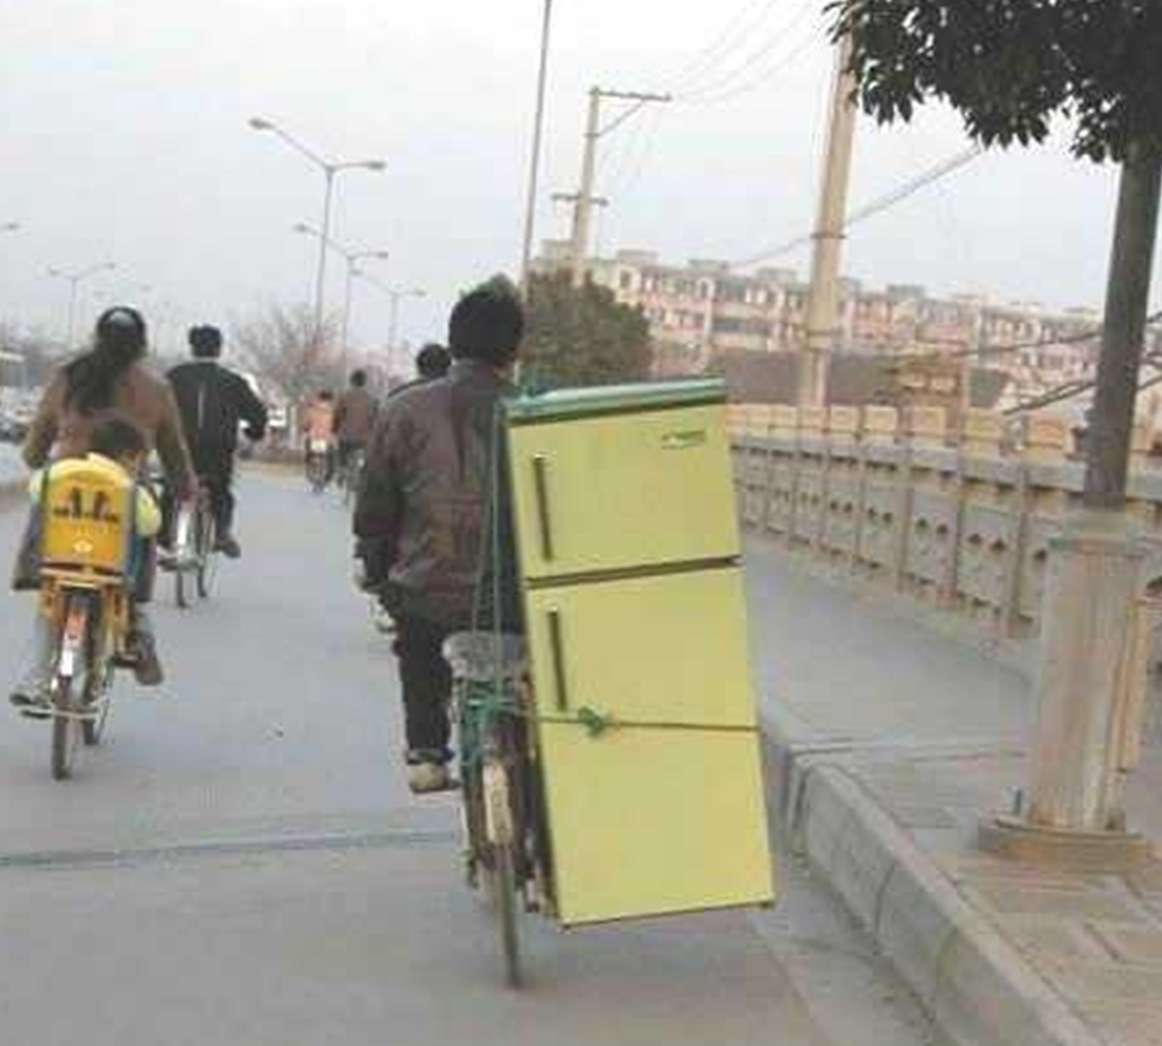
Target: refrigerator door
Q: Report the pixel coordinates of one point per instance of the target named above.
(667, 649)
(629, 489)
(654, 822)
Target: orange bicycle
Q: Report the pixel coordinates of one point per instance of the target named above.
(88, 549)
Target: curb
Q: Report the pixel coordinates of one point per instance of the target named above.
(974, 984)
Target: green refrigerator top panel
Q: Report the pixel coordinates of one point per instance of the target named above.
(571, 404)
(632, 489)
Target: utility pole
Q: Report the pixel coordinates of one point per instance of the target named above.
(584, 199)
(1090, 682)
(823, 304)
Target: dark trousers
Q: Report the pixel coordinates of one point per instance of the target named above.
(427, 686)
(218, 478)
(216, 474)
(347, 448)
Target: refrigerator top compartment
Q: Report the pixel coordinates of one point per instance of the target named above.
(571, 404)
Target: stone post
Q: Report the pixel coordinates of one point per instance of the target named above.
(1074, 814)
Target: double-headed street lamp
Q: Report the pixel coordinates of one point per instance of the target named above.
(330, 168)
(74, 279)
(353, 258)
(395, 294)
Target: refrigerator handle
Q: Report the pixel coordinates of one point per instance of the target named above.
(557, 645)
(541, 481)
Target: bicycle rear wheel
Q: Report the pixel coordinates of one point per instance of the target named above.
(97, 685)
(182, 587)
(73, 655)
(504, 888)
(207, 537)
(317, 472)
(503, 835)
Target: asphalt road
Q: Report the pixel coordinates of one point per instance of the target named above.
(241, 863)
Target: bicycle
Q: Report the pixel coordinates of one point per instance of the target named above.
(195, 558)
(506, 839)
(348, 475)
(319, 466)
(86, 571)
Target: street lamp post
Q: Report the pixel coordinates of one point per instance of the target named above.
(353, 258)
(396, 294)
(74, 279)
(535, 158)
(330, 169)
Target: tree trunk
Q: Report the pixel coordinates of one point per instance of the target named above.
(1127, 301)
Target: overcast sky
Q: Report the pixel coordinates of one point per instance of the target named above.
(125, 138)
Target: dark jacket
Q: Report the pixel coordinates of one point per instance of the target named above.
(140, 395)
(213, 402)
(355, 416)
(422, 508)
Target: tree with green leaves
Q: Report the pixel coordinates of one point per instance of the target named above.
(582, 336)
(1010, 67)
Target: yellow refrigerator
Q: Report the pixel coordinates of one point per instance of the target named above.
(646, 730)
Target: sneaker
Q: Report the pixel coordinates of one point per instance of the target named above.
(228, 546)
(428, 777)
(146, 664)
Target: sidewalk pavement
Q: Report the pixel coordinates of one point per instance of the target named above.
(889, 738)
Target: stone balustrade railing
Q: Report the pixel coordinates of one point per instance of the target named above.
(950, 517)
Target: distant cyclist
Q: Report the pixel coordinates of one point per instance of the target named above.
(214, 402)
(354, 419)
(319, 430)
(432, 362)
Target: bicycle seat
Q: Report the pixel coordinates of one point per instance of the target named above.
(482, 657)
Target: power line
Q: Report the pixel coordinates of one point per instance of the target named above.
(1077, 388)
(933, 174)
(725, 42)
(1041, 343)
(727, 83)
(764, 78)
(877, 206)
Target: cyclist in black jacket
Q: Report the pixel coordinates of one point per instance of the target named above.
(214, 402)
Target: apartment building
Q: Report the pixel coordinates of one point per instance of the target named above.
(704, 308)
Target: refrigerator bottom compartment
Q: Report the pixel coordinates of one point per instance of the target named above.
(648, 822)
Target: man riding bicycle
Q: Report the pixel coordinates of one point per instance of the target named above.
(354, 419)
(420, 517)
(214, 402)
(319, 430)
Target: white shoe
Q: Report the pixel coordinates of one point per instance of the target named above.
(429, 777)
(383, 621)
